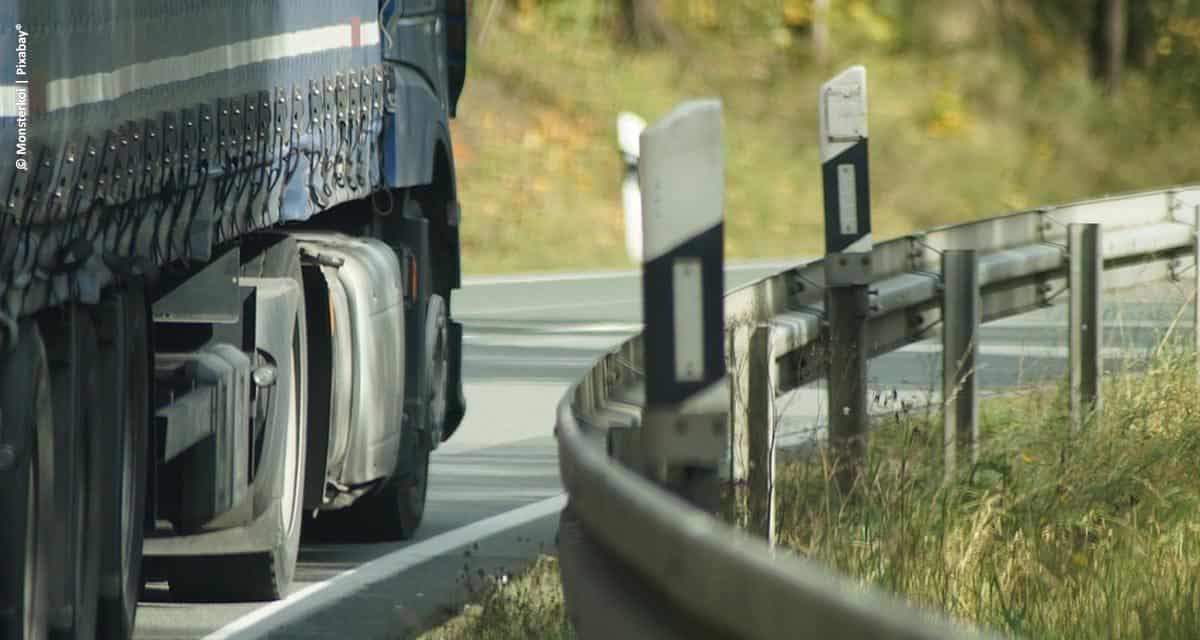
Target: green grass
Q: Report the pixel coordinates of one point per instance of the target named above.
(528, 606)
(1048, 536)
(956, 134)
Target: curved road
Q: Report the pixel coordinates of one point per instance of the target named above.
(495, 495)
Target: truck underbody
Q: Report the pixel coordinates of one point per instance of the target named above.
(226, 274)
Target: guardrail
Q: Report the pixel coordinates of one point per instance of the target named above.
(638, 560)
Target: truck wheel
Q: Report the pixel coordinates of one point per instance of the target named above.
(124, 359)
(422, 205)
(26, 487)
(395, 511)
(71, 343)
(265, 575)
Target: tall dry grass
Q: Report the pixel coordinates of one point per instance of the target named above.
(1049, 535)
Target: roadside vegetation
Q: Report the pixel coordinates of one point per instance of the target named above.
(520, 608)
(977, 108)
(1049, 535)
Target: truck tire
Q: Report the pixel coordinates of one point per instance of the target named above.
(26, 487)
(395, 511)
(429, 203)
(71, 344)
(265, 575)
(124, 359)
(424, 204)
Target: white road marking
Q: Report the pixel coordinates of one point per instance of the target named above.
(598, 344)
(1110, 326)
(545, 361)
(484, 281)
(1016, 350)
(594, 327)
(277, 614)
(544, 307)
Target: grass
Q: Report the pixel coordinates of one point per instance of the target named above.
(960, 133)
(1048, 536)
(528, 606)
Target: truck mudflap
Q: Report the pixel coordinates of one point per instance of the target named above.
(456, 403)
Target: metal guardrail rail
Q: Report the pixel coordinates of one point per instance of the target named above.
(637, 561)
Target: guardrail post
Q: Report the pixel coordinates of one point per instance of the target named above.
(843, 127)
(737, 459)
(1087, 265)
(684, 432)
(761, 432)
(960, 348)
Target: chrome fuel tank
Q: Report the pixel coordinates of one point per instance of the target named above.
(366, 306)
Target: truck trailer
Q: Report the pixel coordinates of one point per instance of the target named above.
(229, 238)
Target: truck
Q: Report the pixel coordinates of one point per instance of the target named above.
(229, 239)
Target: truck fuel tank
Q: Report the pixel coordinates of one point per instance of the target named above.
(365, 376)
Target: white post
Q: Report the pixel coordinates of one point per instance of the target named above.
(629, 130)
(682, 176)
(843, 118)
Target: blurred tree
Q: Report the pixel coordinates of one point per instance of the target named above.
(641, 23)
(820, 31)
(1116, 34)
(809, 19)
(1110, 36)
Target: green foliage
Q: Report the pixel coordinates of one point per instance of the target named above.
(1048, 536)
(963, 126)
(1176, 50)
(574, 17)
(529, 606)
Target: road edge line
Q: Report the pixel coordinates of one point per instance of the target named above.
(273, 616)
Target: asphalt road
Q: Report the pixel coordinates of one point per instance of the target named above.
(495, 494)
